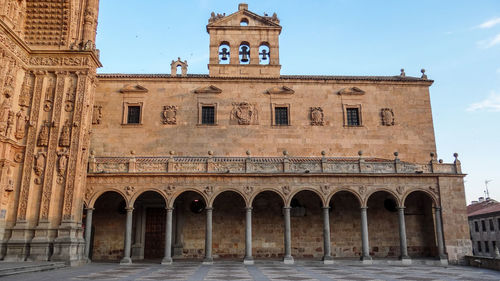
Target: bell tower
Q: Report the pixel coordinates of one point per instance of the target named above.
(244, 44)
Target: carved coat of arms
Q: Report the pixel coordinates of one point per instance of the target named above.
(317, 116)
(169, 114)
(244, 113)
(387, 116)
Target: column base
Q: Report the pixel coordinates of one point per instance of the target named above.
(366, 260)
(288, 260)
(443, 260)
(248, 260)
(166, 261)
(208, 260)
(126, 261)
(405, 260)
(327, 260)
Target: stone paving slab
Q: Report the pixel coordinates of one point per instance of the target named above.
(190, 271)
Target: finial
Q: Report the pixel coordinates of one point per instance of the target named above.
(432, 154)
(396, 154)
(403, 74)
(424, 76)
(360, 153)
(242, 6)
(323, 152)
(455, 155)
(248, 152)
(210, 152)
(285, 152)
(440, 161)
(172, 152)
(132, 152)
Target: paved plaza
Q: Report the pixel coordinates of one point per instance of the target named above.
(260, 271)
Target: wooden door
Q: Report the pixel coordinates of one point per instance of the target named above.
(154, 246)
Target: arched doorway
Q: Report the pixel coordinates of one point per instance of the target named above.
(383, 225)
(108, 225)
(345, 225)
(306, 225)
(148, 227)
(420, 222)
(268, 225)
(229, 225)
(189, 224)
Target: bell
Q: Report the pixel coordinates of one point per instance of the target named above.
(244, 54)
(224, 54)
(264, 54)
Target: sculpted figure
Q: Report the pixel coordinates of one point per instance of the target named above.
(10, 122)
(43, 137)
(21, 120)
(65, 135)
(4, 115)
(62, 162)
(39, 163)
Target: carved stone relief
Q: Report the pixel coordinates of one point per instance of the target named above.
(41, 28)
(169, 114)
(325, 189)
(362, 190)
(21, 121)
(387, 116)
(97, 114)
(286, 189)
(169, 189)
(129, 190)
(39, 166)
(248, 189)
(64, 140)
(209, 190)
(317, 116)
(4, 114)
(400, 189)
(62, 163)
(43, 137)
(244, 113)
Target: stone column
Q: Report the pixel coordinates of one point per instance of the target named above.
(327, 257)
(405, 259)
(248, 237)
(208, 238)
(128, 238)
(167, 259)
(365, 255)
(439, 232)
(88, 232)
(287, 259)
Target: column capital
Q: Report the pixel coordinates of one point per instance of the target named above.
(89, 209)
(364, 208)
(325, 207)
(209, 208)
(287, 207)
(169, 208)
(248, 208)
(401, 208)
(437, 208)
(129, 209)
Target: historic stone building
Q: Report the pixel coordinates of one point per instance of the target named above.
(242, 163)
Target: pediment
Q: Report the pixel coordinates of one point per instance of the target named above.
(208, 90)
(283, 90)
(233, 20)
(131, 88)
(351, 91)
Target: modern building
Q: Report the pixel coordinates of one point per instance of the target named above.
(240, 163)
(484, 225)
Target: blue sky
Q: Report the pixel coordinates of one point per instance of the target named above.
(457, 42)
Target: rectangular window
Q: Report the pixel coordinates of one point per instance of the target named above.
(134, 115)
(476, 226)
(479, 246)
(494, 244)
(353, 117)
(208, 115)
(486, 247)
(281, 115)
(483, 225)
(492, 227)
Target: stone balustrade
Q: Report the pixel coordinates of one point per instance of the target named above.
(259, 165)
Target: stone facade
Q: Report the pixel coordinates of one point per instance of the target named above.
(484, 225)
(241, 163)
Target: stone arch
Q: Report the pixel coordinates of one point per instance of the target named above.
(214, 197)
(354, 193)
(431, 195)
(177, 194)
(295, 192)
(264, 52)
(224, 57)
(392, 193)
(182, 64)
(244, 52)
(98, 194)
(252, 198)
(138, 194)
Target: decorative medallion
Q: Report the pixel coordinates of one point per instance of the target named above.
(209, 190)
(325, 189)
(286, 189)
(387, 117)
(244, 113)
(169, 190)
(248, 190)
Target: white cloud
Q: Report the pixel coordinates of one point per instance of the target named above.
(490, 42)
(491, 103)
(490, 23)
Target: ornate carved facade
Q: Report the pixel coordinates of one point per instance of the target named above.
(282, 166)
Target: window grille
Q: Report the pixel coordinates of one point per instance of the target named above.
(134, 115)
(208, 115)
(353, 117)
(281, 115)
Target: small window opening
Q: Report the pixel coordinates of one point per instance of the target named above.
(486, 247)
(244, 53)
(483, 225)
(353, 117)
(476, 226)
(264, 56)
(492, 227)
(224, 53)
(208, 115)
(244, 22)
(178, 70)
(479, 246)
(134, 115)
(281, 115)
